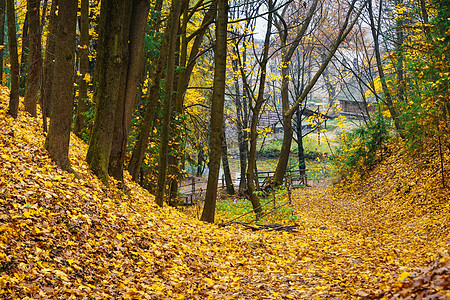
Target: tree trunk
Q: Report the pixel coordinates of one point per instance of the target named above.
(387, 95)
(251, 168)
(34, 57)
(283, 160)
(57, 142)
(400, 54)
(241, 124)
(135, 67)
(286, 55)
(83, 53)
(111, 61)
(177, 104)
(289, 112)
(141, 145)
(44, 14)
(226, 166)
(217, 106)
(14, 59)
(2, 35)
(200, 163)
(194, 50)
(186, 67)
(24, 57)
(301, 152)
(49, 63)
(162, 162)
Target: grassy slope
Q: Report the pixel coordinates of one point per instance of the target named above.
(62, 237)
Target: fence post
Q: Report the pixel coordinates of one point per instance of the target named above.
(290, 194)
(193, 185)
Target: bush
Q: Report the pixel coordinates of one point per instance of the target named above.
(362, 147)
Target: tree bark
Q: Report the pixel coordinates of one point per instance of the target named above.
(49, 63)
(125, 108)
(289, 112)
(241, 124)
(300, 149)
(251, 168)
(57, 142)
(217, 106)
(110, 63)
(178, 100)
(14, 59)
(400, 54)
(286, 56)
(44, 14)
(170, 75)
(34, 57)
(387, 95)
(225, 165)
(83, 53)
(141, 145)
(24, 57)
(2, 35)
(186, 67)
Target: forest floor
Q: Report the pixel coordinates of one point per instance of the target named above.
(383, 235)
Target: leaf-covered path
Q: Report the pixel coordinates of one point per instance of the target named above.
(68, 238)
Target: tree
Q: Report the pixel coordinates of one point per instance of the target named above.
(83, 53)
(240, 101)
(57, 142)
(185, 72)
(49, 63)
(141, 144)
(125, 105)
(288, 111)
(259, 101)
(24, 56)
(185, 66)
(110, 69)
(13, 58)
(225, 165)
(288, 48)
(34, 57)
(168, 94)
(2, 34)
(218, 99)
(387, 99)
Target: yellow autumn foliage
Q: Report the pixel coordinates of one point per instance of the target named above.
(73, 238)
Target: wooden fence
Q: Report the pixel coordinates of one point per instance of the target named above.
(195, 190)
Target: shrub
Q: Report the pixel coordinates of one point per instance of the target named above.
(362, 146)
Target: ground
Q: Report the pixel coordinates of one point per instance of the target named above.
(63, 237)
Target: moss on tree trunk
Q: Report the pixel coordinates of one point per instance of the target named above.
(111, 59)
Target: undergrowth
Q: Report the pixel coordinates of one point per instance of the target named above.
(363, 146)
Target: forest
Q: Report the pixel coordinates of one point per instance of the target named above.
(224, 149)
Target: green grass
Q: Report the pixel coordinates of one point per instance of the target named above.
(229, 209)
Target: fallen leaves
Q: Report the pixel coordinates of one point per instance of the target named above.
(64, 237)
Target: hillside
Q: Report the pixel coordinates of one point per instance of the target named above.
(67, 238)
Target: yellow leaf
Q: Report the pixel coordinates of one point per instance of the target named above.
(61, 275)
(48, 184)
(209, 281)
(87, 77)
(119, 236)
(403, 276)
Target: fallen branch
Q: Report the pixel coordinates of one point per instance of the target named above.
(269, 227)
